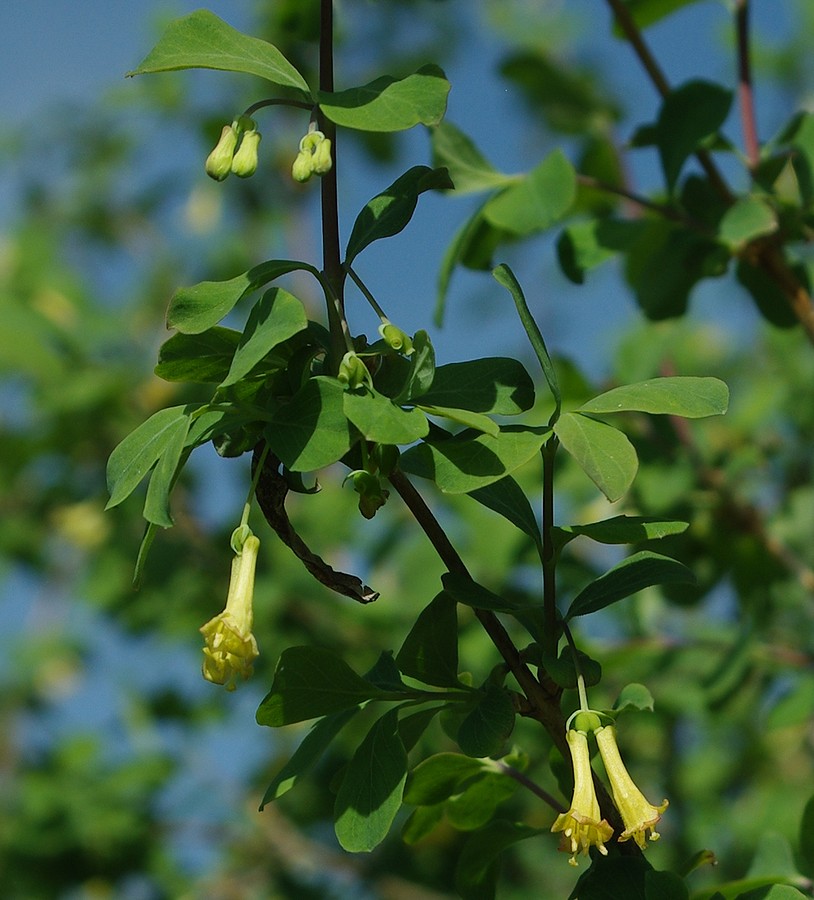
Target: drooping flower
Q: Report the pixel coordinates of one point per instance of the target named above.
(638, 814)
(230, 647)
(582, 826)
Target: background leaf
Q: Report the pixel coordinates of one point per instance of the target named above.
(430, 650)
(633, 574)
(537, 200)
(494, 384)
(467, 167)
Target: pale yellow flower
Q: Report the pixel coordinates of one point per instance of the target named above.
(582, 826)
(230, 647)
(638, 814)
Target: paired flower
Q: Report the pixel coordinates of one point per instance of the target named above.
(230, 647)
(581, 825)
(639, 815)
(314, 157)
(236, 150)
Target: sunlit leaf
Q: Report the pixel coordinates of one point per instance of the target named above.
(390, 104)
(203, 41)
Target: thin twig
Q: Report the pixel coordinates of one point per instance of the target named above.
(745, 93)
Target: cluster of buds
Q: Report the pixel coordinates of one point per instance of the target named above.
(236, 151)
(314, 157)
(581, 826)
(230, 648)
(353, 373)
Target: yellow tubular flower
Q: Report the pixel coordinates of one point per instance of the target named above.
(230, 647)
(638, 814)
(581, 826)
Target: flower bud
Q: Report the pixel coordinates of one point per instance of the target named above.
(321, 161)
(219, 162)
(372, 496)
(301, 169)
(352, 372)
(395, 338)
(244, 162)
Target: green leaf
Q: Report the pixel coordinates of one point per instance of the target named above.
(689, 115)
(370, 794)
(664, 886)
(430, 651)
(633, 574)
(389, 212)
(310, 430)
(613, 878)
(585, 245)
(157, 501)
(620, 530)
(488, 726)
(385, 673)
(194, 309)
(767, 295)
(467, 591)
(203, 41)
(422, 821)
(383, 421)
(411, 727)
(275, 318)
(634, 696)
(747, 219)
(495, 385)
(507, 498)
(198, 358)
(505, 277)
(464, 463)
(421, 369)
(478, 865)
(308, 754)
(687, 396)
(133, 458)
(807, 838)
(479, 800)
(464, 417)
(310, 682)
(390, 104)
(537, 200)
(440, 777)
(647, 12)
(467, 167)
(606, 456)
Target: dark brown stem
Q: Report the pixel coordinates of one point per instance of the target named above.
(331, 260)
(544, 705)
(662, 85)
(549, 561)
(745, 92)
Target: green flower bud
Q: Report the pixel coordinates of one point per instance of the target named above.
(372, 495)
(395, 338)
(301, 170)
(219, 162)
(321, 161)
(244, 162)
(352, 372)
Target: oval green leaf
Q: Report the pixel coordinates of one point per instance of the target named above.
(687, 396)
(201, 40)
